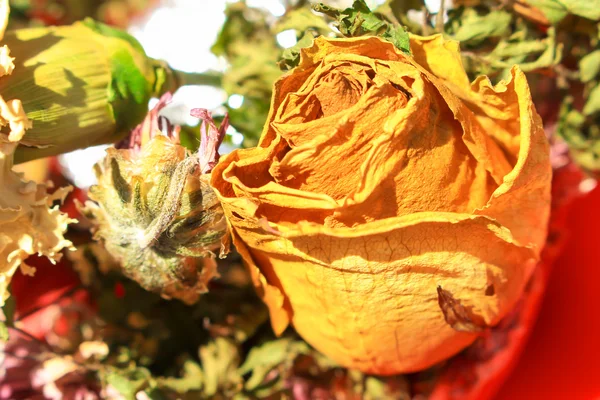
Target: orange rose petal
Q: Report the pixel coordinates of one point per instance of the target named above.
(441, 58)
(350, 214)
(381, 275)
(528, 184)
(506, 121)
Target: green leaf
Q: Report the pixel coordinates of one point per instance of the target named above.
(327, 10)
(557, 10)
(192, 379)
(592, 105)
(399, 37)
(291, 56)
(156, 394)
(589, 66)
(3, 332)
(129, 383)
(262, 359)
(360, 16)
(301, 20)
(359, 20)
(551, 56)
(8, 310)
(519, 49)
(530, 55)
(220, 359)
(582, 134)
(553, 10)
(583, 8)
(474, 28)
(396, 12)
(252, 68)
(242, 22)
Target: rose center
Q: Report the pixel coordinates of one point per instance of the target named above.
(339, 91)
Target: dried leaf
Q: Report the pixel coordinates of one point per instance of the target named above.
(192, 379)
(396, 387)
(455, 314)
(589, 66)
(582, 134)
(3, 331)
(359, 20)
(592, 104)
(529, 12)
(128, 382)
(291, 57)
(220, 360)
(396, 11)
(557, 10)
(264, 358)
(252, 69)
(8, 310)
(545, 53)
(301, 20)
(472, 28)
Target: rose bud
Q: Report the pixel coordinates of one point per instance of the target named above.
(29, 221)
(156, 212)
(392, 210)
(82, 85)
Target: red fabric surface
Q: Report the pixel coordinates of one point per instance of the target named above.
(562, 357)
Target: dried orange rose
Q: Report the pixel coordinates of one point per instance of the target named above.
(380, 180)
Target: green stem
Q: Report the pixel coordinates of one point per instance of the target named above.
(169, 79)
(209, 78)
(439, 18)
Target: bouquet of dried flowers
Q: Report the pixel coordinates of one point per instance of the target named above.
(386, 231)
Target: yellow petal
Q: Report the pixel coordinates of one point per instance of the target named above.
(441, 57)
(29, 224)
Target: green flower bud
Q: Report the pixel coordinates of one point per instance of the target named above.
(82, 85)
(156, 212)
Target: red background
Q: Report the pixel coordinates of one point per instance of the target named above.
(562, 357)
